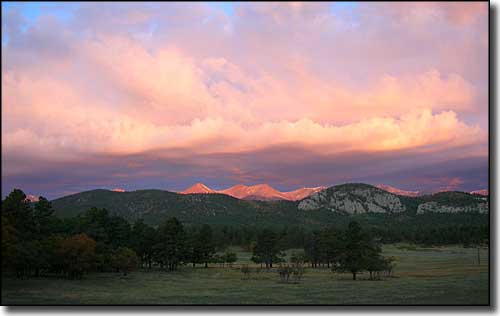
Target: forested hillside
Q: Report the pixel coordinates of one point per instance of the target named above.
(328, 206)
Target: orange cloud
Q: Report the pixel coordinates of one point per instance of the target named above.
(255, 87)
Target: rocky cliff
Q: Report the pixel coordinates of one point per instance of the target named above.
(362, 198)
(354, 199)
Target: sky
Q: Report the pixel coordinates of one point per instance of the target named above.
(164, 95)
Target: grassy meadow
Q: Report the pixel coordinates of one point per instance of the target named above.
(441, 275)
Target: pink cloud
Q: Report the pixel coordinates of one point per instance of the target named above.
(460, 13)
(396, 77)
(455, 181)
(465, 13)
(452, 184)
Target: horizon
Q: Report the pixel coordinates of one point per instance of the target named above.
(165, 95)
(218, 189)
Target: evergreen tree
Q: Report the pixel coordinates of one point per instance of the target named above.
(266, 249)
(142, 241)
(206, 244)
(357, 249)
(18, 212)
(329, 246)
(172, 244)
(312, 249)
(118, 231)
(94, 223)
(43, 217)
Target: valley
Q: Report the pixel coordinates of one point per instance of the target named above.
(439, 275)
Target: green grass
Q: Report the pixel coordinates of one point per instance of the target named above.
(446, 275)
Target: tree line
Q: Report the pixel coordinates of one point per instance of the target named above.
(36, 242)
(350, 250)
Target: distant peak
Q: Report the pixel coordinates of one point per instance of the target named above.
(261, 191)
(198, 188)
(397, 191)
(484, 192)
(302, 193)
(264, 191)
(199, 184)
(32, 198)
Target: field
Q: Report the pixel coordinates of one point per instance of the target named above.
(445, 275)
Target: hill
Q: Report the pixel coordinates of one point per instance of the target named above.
(359, 198)
(156, 205)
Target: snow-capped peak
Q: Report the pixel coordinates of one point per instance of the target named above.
(198, 188)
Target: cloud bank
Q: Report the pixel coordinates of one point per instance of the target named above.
(175, 82)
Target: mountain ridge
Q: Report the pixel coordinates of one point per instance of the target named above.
(355, 198)
(321, 207)
(262, 191)
(397, 191)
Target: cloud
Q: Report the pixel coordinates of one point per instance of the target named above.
(283, 167)
(189, 79)
(456, 13)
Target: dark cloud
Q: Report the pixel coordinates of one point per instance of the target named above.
(163, 170)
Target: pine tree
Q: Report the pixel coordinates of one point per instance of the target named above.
(172, 244)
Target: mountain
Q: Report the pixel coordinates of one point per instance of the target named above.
(255, 192)
(397, 191)
(156, 205)
(198, 188)
(328, 206)
(354, 198)
(262, 192)
(302, 193)
(483, 192)
(453, 202)
(358, 198)
(32, 198)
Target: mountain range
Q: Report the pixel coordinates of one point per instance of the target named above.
(329, 205)
(263, 192)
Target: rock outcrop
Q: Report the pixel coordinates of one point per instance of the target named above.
(354, 199)
(363, 198)
(434, 207)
